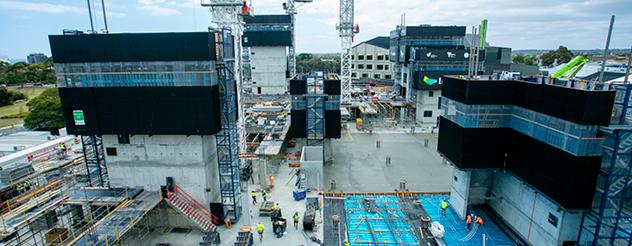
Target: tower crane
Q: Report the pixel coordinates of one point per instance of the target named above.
(290, 8)
(347, 31)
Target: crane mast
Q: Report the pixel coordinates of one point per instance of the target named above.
(290, 8)
(346, 28)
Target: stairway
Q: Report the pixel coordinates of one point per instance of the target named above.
(193, 210)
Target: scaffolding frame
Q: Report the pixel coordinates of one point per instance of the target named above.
(228, 138)
(95, 160)
(315, 119)
(609, 222)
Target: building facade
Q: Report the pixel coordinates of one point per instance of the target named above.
(370, 60)
(529, 151)
(36, 58)
(152, 101)
(423, 54)
(266, 41)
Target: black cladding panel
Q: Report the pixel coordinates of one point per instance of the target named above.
(143, 110)
(579, 106)
(298, 129)
(132, 47)
(568, 179)
(267, 19)
(298, 87)
(79, 101)
(472, 147)
(332, 87)
(435, 31)
(267, 38)
(332, 124)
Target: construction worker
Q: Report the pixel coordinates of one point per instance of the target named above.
(444, 206)
(295, 218)
(335, 220)
(260, 229)
(479, 220)
(62, 147)
(388, 160)
(253, 194)
(468, 221)
(264, 195)
(345, 243)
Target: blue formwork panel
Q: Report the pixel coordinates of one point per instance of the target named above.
(360, 222)
(454, 226)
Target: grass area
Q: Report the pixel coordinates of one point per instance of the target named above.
(13, 109)
(10, 122)
(30, 92)
(17, 108)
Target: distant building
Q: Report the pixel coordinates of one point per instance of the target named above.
(423, 54)
(369, 60)
(267, 38)
(36, 58)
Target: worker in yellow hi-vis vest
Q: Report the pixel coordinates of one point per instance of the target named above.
(260, 229)
(444, 206)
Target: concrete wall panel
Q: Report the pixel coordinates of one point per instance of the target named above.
(147, 160)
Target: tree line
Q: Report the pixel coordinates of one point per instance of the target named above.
(306, 63)
(561, 55)
(21, 73)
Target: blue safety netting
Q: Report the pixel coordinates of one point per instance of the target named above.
(455, 228)
(388, 224)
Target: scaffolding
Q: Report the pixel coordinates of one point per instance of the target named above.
(227, 138)
(609, 222)
(95, 161)
(315, 119)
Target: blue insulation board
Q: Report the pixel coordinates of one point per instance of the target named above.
(397, 232)
(455, 228)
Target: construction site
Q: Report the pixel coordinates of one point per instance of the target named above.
(213, 138)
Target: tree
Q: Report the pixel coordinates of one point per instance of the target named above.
(525, 59)
(22, 72)
(7, 97)
(562, 55)
(306, 63)
(46, 112)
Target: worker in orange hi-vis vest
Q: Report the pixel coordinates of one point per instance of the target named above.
(468, 221)
(479, 220)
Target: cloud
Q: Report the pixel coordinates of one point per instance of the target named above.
(519, 24)
(48, 8)
(159, 7)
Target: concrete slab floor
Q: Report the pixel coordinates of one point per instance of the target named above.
(359, 166)
(282, 192)
(193, 237)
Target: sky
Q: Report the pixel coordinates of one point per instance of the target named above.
(519, 24)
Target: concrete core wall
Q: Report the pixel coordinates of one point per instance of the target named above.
(148, 160)
(535, 217)
(312, 166)
(268, 67)
(428, 101)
